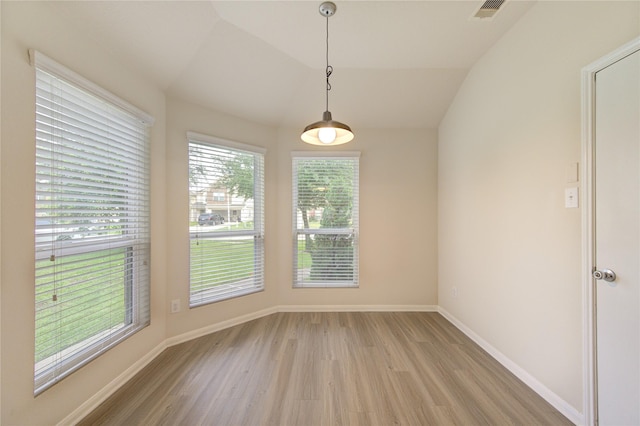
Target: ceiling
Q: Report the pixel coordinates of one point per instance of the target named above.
(397, 64)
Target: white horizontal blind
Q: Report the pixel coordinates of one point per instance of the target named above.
(91, 225)
(226, 191)
(325, 221)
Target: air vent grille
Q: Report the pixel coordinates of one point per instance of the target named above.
(492, 4)
(488, 9)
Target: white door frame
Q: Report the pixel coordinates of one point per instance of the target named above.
(590, 397)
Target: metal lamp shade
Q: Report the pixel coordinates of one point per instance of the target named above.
(311, 133)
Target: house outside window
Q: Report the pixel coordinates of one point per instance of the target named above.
(226, 199)
(91, 221)
(325, 219)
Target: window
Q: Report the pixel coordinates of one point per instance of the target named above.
(91, 221)
(226, 252)
(325, 220)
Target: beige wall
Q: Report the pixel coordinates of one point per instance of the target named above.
(397, 188)
(506, 242)
(398, 215)
(398, 174)
(0, 223)
(183, 117)
(26, 25)
(504, 239)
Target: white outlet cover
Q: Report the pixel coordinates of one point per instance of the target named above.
(571, 198)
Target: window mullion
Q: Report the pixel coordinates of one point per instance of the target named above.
(226, 181)
(325, 220)
(91, 222)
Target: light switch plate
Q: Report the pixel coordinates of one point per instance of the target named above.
(572, 173)
(571, 198)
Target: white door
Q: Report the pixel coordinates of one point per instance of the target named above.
(617, 241)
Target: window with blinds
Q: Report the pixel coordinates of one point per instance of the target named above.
(226, 219)
(91, 221)
(325, 220)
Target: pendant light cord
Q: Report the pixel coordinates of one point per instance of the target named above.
(329, 69)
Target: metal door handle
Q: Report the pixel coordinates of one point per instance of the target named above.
(605, 274)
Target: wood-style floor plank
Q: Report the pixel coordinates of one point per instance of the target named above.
(306, 369)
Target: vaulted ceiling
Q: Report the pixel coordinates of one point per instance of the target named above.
(397, 64)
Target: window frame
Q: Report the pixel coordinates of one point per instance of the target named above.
(353, 231)
(257, 233)
(130, 242)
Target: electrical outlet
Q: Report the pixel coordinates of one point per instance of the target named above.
(571, 198)
(175, 306)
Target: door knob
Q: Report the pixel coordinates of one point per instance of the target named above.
(605, 274)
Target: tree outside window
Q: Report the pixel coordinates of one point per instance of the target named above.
(325, 216)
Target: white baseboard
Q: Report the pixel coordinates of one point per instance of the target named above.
(358, 308)
(558, 403)
(185, 337)
(92, 403)
(98, 398)
(190, 335)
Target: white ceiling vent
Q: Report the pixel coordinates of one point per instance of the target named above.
(488, 9)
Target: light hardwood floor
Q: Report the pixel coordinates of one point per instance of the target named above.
(328, 369)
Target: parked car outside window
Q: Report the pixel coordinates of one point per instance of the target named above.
(210, 219)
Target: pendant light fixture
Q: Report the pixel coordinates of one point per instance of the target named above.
(327, 131)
